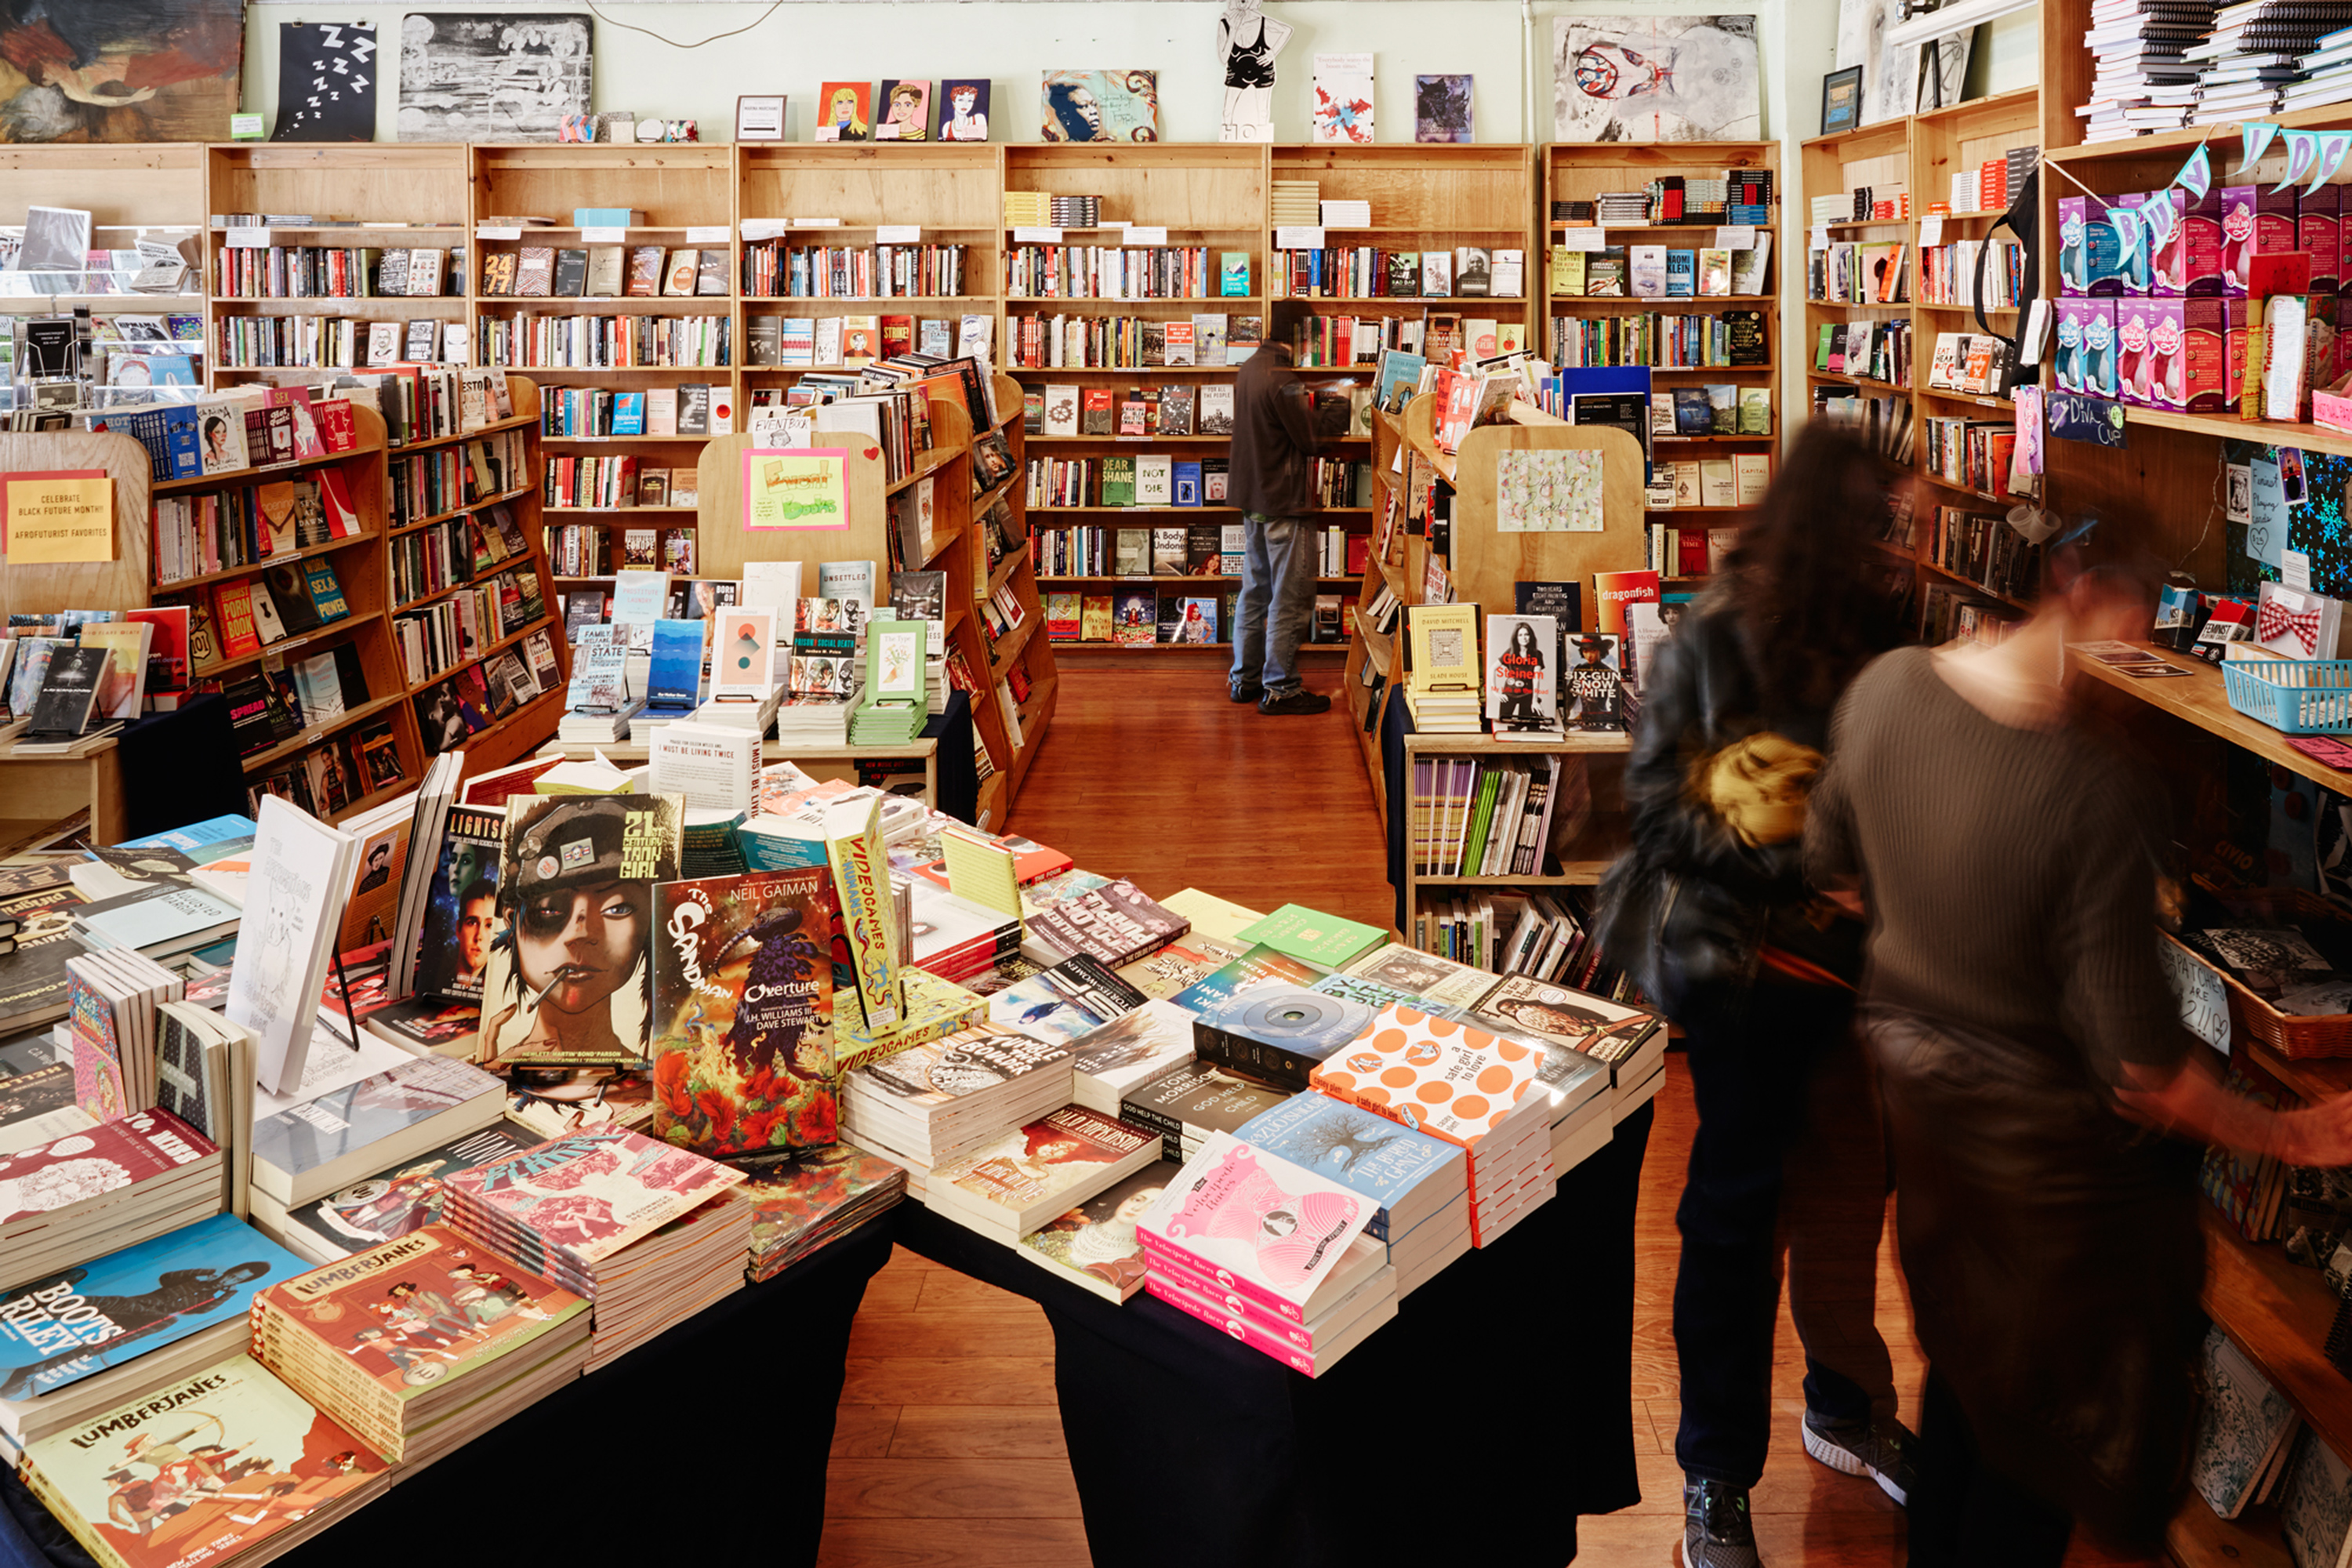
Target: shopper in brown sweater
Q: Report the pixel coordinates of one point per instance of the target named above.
(2029, 1060)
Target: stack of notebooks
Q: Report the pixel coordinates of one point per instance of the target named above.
(818, 1198)
(1420, 1184)
(2255, 50)
(1027, 1174)
(600, 1211)
(1270, 1254)
(418, 1345)
(2140, 81)
(1466, 1086)
(115, 1185)
(887, 723)
(931, 1103)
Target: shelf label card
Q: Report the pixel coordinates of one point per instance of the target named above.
(765, 228)
(1594, 238)
(603, 237)
(898, 234)
(2294, 569)
(1735, 236)
(1820, 240)
(1931, 229)
(1137, 236)
(709, 234)
(1036, 237)
(247, 239)
(498, 233)
(2204, 1001)
(1299, 238)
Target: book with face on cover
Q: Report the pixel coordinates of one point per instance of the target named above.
(398, 1199)
(301, 868)
(1261, 1226)
(1094, 1245)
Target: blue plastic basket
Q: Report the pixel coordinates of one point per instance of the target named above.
(2296, 697)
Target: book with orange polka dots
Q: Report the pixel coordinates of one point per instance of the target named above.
(1443, 1077)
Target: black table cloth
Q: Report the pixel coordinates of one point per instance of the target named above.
(705, 1445)
(1474, 1428)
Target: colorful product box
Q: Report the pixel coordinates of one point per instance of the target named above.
(2168, 274)
(2202, 269)
(2067, 357)
(2319, 340)
(2213, 351)
(2100, 378)
(2343, 337)
(2319, 228)
(2150, 372)
(2073, 263)
(2237, 239)
(2135, 274)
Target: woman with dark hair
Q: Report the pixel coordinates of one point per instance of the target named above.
(1076, 116)
(1712, 912)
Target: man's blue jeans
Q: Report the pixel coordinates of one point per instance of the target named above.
(1277, 599)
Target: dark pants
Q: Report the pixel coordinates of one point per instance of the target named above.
(1787, 1157)
(1965, 1513)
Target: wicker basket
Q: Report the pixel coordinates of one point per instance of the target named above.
(2294, 1037)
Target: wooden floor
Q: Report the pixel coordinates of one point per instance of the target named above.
(949, 1449)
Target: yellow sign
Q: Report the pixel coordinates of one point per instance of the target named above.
(802, 490)
(67, 515)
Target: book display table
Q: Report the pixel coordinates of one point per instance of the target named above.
(1189, 1447)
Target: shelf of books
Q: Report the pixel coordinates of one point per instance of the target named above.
(141, 272)
(608, 273)
(1858, 327)
(1665, 259)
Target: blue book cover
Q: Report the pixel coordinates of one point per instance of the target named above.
(1234, 274)
(675, 677)
(60, 1329)
(1258, 966)
(628, 414)
(1377, 1158)
(1682, 274)
(149, 920)
(212, 830)
(1188, 483)
(318, 1132)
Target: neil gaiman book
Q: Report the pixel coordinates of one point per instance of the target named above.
(742, 1047)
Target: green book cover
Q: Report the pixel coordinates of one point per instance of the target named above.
(1473, 853)
(1234, 274)
(1297, 931)
(1119, 481)
(1821, 350)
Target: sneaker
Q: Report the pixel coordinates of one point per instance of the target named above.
(1300, 701)
(1248, 693)
(1864, 1448)
(1715, 1529)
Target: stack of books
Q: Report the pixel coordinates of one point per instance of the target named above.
(1621, 209)
(1467, 1087)
(1191, 1104)
(400, 1196)
(1270, 1254)
(753, 716)
(114, 997)
(933, 1102)
(418, 1345)
(1420, 1184)
(162, 919)
(818, 1198)
(808, 721)
(956, 939)
(1114, 924)
(1630, 1042)
(1146, 1043)
(114, 1185)
(602, 729)
(1346, 214)
(1025, 1175)
(598, 1212)
(887, 723)
(2327, 74)
(1296, 204)
(316, 1146)
(1072, 999)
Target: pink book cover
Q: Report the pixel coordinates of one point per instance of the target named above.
(1261, 1225)
(1248, 1333)
(587, 1195)
(98, 1052)
(1174, 1270)
(104, 1159)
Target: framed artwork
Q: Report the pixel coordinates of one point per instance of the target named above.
(1441, 108)
(1840, 101)
(760, 119)
(963, 111)
(1655, 79)
(488, 77)
(845, 112)
(906, 109)
(167, 70)
(1899, 79)
(1100, 106)
(1343, 99)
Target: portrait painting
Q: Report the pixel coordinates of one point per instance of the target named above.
(1441, 108)
(845, 112)
(906, 109)
(1100, 106)
(963, 111)
(119, 70)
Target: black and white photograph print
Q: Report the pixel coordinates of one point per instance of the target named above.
(326, 82)
(492, 77)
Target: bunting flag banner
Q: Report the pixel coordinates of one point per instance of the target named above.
(2332, 145)
(2158, 215)
(2302, 152)
(2256, 135)
(2126, 222)
(2195, 176)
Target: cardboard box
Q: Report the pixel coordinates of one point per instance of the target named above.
(2319, 228)
(2274, 216)
(2100, 377)
(2168, 274)
(2149, 369)
(2073, 265)
(2237, 239)
(2066, 355)
(2213, 354)
(2202, 269)
(2135, 274)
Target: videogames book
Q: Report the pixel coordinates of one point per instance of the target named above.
(742, 1035)
(575, 865)
(1093, 1246)
(582, 1198)
(390, 1203)
(461, 911)
(198, 1470)
(60, 1329)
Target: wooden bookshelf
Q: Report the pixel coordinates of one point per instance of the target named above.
(133, 191)
(1575, 171)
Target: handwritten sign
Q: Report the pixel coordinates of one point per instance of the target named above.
(2266, 534)
(765, 229)
(801, 491)
(1931, 229)
(60, 516)
(2204, 1000)
(501, 231)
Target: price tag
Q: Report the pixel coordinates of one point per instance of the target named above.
(813, 222)
(1584, 239)
(603, 237)
(1820, 240)
(710, 234)
(1735, 236)
(1298, 239)
(898, 234)
(1931, 229)
(494, 233)
(248, 239)
(765, 229)
(2204, 1001)
(1138, 236)
(1036, 237)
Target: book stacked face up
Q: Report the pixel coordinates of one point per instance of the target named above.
(817, 1199)
(632, 1225)
(935, 1103)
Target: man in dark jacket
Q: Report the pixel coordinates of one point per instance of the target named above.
(1274, 442)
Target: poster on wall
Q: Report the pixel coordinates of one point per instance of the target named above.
(1655, 79)
(1101, 106)
(1441, 108)
(491, 76)
(326, 82)
(119, 70)
(1343, 99)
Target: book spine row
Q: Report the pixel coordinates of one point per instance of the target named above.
(1690, 551)
(1851, 274)
(1336, 341)
(1946, 613)
(1972, 452)
(1985, 550)
(609, 343)
(424, 484)
(1947, 273)
(1107, 272)
(323, 272)
(1885, 424)
(196, 535)
(440, 638)
(289, 343)
(1455, 829)
(1733, 340)
(774, 269)
(431, 559)
(1116, 342)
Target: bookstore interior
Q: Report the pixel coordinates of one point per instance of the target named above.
(594, 542)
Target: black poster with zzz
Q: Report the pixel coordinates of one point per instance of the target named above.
(326, 81)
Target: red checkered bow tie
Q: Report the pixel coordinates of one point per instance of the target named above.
(2274, 620)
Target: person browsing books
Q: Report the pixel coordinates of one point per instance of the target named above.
(1274, 442)
(1712, 914)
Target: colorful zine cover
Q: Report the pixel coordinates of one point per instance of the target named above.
(392, 1203)
(861, 877)
(197, 1470)
(60, 1329)
(743, 1014)
(1368, 1155)
(461, 911)
(569, 979)
(1093, 1246)
(582, 1198)
(97, 1052)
